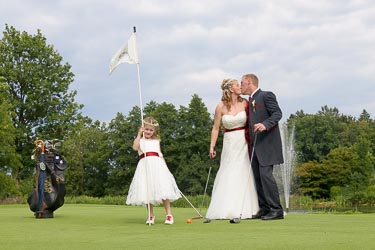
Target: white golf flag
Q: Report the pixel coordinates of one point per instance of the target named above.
(127, 54)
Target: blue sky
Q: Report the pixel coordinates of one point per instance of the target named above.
(309, 53)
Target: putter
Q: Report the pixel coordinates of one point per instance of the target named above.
(207, 220)
(199, 214)
(238, 220)
(205, 189)
(235, 220)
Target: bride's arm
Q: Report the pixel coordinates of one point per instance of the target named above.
(215, 130)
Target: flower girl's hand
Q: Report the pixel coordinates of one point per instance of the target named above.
(140, 131)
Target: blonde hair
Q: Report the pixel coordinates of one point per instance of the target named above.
(226, 97)
(152, 122)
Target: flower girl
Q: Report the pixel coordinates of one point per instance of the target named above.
(152, 183)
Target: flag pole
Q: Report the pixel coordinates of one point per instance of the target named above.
(128, 53)
(141, 107)
(139, 86)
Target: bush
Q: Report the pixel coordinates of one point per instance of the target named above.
(337, 194)
(120, 200)
(301, 202)
(106, 200)
(8, 187)
(27, 186)
(370, 195)
(195, 200)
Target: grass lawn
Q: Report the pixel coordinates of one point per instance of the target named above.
(122, 227)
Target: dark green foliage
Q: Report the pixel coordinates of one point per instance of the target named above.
(86, 151)
(123, 160)
(193, 143)
(41, 105)
(334, 151)
(9, 158)
(8, 186)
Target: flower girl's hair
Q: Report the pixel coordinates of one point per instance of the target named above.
(151, 121)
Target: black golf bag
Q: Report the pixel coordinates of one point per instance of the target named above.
(50, 182)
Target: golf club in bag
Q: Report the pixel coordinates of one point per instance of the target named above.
(49, 191)
(238, 220)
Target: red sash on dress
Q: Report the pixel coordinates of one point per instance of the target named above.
(233, 129)
(148, 154)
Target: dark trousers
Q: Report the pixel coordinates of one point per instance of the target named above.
(268, 193)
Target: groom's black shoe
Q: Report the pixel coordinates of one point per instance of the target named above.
(260, 214)
(274, 215)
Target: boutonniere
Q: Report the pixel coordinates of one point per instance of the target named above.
(253, 105)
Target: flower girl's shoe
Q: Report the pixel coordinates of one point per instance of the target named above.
(150, 220)
(169, 220)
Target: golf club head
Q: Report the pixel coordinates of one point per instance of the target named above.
(197, 218)
(235, 220)
(207, 221)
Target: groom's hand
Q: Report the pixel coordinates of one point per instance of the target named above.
(259, 127)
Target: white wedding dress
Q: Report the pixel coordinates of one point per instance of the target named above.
(234, 193)
(152, 181)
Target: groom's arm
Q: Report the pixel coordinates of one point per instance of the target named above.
(273, 110)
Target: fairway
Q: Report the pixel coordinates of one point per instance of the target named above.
(122, 227)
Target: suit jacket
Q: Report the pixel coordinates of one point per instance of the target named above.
(263, 108)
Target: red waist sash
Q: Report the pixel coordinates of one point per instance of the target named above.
(148, 154)
(234, 129)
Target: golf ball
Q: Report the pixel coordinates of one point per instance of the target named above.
(188, 221)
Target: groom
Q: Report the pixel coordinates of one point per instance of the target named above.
(264, 115)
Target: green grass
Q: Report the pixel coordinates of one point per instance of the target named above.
(122, 227)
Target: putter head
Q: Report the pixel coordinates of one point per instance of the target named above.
(235, 220)
(197, 218)
(207, 221)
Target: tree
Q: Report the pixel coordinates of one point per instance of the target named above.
(169, 125)
(316, 135)
(123, 160)
(193, 140)
(9, 159)
(313, 181)
(365, 116)
(87, 153)
(38, 92)
(340, 163)
(348, 168)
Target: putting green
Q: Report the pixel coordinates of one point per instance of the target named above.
(122, 227)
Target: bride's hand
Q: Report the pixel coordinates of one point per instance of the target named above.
(212, 153)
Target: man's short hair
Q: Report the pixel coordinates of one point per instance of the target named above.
(253, 78)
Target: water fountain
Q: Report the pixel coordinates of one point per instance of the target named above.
(287, 168)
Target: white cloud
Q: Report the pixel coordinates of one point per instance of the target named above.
(310, 53)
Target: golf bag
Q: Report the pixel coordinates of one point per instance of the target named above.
(50, 182)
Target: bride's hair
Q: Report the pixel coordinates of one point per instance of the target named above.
(226, 98)
(152, 122)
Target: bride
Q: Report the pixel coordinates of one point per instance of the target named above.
(234, 194)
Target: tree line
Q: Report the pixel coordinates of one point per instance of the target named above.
(335, 151)
(335, 155)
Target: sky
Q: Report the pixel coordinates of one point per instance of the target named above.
(309, 53)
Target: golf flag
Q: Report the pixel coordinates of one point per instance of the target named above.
(127, 54)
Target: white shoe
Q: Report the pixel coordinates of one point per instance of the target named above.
(169, 219)
(150, 220)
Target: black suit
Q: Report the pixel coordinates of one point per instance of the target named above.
(263, 108)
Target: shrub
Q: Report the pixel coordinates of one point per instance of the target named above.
(8, 187)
